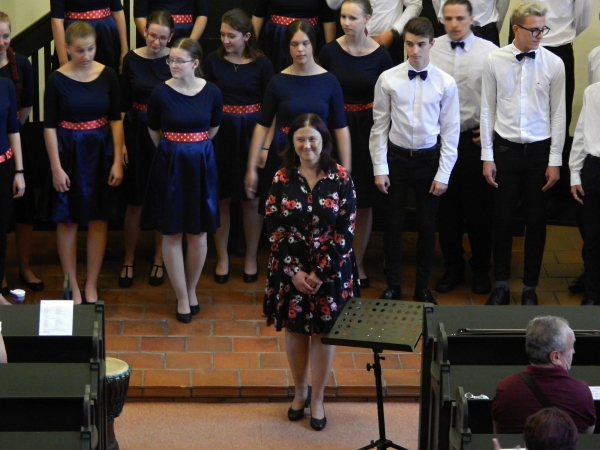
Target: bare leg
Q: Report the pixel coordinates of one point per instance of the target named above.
(297, 349)
(66, 241)
(222, 237)
(194, 262)
(364, 222)
(321, 361)
(131, 233)
(3, 301)
(96, 246)
(173, 256)
(252, 228)
(24, 235)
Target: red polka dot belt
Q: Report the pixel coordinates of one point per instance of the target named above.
(285, 21)
(285, 130)
(241, 109)
(88, 15)
(140, 106)
(6, 155)
(91, 125)
(355, 107)
(186, 137)
(182, 18)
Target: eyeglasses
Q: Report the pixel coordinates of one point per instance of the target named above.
(177, 62)
(153, 37)
(536, 32)
(311, 140)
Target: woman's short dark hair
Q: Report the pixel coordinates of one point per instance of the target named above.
(550, 429)
(161, 17)
(195, 51)
(306, 28)
(242, 23)
(290, 158)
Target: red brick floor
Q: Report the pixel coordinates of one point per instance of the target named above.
(227, 352)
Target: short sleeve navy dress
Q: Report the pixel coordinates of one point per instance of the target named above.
(309, 230)
(182, 194)
(243, 87)
(278, 14)
(140, 76)
(184, 14)
(357, 76)
(98, 13)
(80, 112)
(24, 207)
(287, 97)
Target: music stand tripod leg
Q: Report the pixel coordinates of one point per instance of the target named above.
(382, 442)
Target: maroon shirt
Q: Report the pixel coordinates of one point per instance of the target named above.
(514, 401)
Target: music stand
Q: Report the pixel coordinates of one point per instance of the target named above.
(379, 325)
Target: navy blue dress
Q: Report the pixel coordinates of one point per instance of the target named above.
(182, 192)
(85, 155)
(271, 37)
(240, 85)
(287, 97)
(357, 76)
(194, 8)
(140, 76)
(108, 45)
(24, 207)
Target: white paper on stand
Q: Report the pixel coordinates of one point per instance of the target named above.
(56, 318)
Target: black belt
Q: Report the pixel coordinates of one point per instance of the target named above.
(411, 153)
(515, 146)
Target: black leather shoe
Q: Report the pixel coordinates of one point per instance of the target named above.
(248, 278)
(194, 309)
(529, 298)
(589, 302)
(449, 281)
(577, 286)
(221, 279)
(364, 283)
(296, 414)
(183, 318)
(499, 296)
(126, 281)
(391, 294)
(318, 424)
(424, 296)
(155, 280)
(36, 287)
(481, 284)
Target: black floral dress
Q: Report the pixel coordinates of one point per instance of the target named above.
(309, 230)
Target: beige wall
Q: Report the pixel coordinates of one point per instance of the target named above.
(24, 12)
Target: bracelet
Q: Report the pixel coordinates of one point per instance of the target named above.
(265, 148)
(19, 171)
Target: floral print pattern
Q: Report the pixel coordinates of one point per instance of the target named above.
(309, 230)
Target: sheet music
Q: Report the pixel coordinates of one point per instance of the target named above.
(595, 392)
(56, 318)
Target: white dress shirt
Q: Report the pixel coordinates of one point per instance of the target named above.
(465, 65)
(566, 19)
(594, 66)
(387, 14)
(419, 111)
(523, 101)
(587, 134)
(484, 11)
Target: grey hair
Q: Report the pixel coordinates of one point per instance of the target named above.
(525, 9)
(543, 335)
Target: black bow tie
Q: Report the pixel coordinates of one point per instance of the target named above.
(413, 73)
(455, 44)
(520, 56)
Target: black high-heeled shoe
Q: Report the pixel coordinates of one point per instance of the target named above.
(34, 286)
(318, 424)
(195, 309)
(296, 414)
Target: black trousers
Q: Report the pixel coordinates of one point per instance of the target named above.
(565, 52)
(590, 212)
(520, 168)
(488, 32)
(467, 202)
(7, 176)
(410, 172)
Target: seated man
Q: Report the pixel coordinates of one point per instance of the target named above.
(549, 345)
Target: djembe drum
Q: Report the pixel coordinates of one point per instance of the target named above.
(117, 383)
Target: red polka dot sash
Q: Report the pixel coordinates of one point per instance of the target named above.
(91, 125)
(182, 18)
(285, 21)
(140, 106)
(355, 107)
(6, 155)
(88, 15)
(186, 137)
(241, 109)
(286, 130)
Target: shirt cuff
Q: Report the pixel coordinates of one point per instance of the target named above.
(442, 177)
(555, 160)
(575, 178)
(487, 154)
(381, 169)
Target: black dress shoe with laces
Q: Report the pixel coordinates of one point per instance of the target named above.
(590, 302)
(391, 294)
(424, 296)
(577, 286)
(499, 296)
(449, 281)
(529, 298)
(481, 284)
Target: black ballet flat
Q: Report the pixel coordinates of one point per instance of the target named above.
(195, 309)
(221, 279)
(36, 287)
(250, 278)
(185, 317)
(154, 280)
(318, 424)
(126, 281)
(296, 414)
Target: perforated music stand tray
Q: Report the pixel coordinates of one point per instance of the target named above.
(379, 325)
